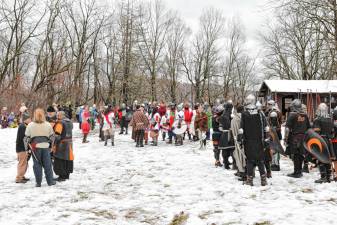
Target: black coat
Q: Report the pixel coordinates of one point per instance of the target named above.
(226, 138)
(20, 147)
(253, 125)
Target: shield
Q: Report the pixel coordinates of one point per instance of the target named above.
(316, 146)
(275, 143)
(180, 127)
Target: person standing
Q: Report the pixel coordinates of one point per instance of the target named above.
(139, 123)
(39, 136)
(324, 126)
(201, 125)
(123, 119)
(188, 114)
(297, 124)
(85, 125)
(23, 155)
(252, 134)
(155, 125)
(238, 154)
(226, 143)
(63, 148)
(108, 127)
(217, 134)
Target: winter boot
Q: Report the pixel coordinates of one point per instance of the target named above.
(263, 180)
(323, 179)
(275, 167)
(137, 139)
(204, 143)
(295, 175)
(269, 174)
(105, 140)
(218, 163)
(141, 139)
(112, 140)
(163, 136)
(249, 181)
(305, 168)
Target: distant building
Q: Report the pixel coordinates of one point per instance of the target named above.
(311, 92)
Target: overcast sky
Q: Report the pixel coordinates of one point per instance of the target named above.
(253, 13)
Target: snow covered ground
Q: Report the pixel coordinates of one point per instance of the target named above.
(127, 185)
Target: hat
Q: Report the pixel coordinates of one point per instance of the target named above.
(25, 116)
(50, 109)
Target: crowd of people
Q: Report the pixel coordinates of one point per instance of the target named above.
(240, 134)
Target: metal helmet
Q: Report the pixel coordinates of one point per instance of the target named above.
(296, 105)
(322, 110)
(250, 100)
(271, 103)
(304, 108)
(180, 107)
(334, 114)
(219, 109)
(258, 105)
(123, 105)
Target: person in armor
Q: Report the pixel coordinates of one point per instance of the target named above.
(124, 119)
(216, 134)
(297, 124)
(274, 117)
(334, 143)
(63, 147)
(324, 125)
(226, 143)
(252, 134)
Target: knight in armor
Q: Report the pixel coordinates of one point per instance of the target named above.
(274, 117)
(226, 143)
(252, 134)
(63, 147)
(324, 125)
(217, 112)
(297, 124)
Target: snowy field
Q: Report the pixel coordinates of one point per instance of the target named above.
(124, 185)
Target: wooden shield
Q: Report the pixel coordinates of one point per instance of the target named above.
(316, 146)
(275, 143)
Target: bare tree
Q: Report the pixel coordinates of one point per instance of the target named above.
(177, 35)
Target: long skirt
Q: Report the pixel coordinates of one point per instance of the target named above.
(63, 167)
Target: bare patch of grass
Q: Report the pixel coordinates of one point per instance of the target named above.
(179, 219)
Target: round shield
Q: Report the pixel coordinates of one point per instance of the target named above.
(180, 127)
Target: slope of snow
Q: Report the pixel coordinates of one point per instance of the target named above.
(128, 185)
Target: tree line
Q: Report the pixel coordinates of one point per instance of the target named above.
(80, 51)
